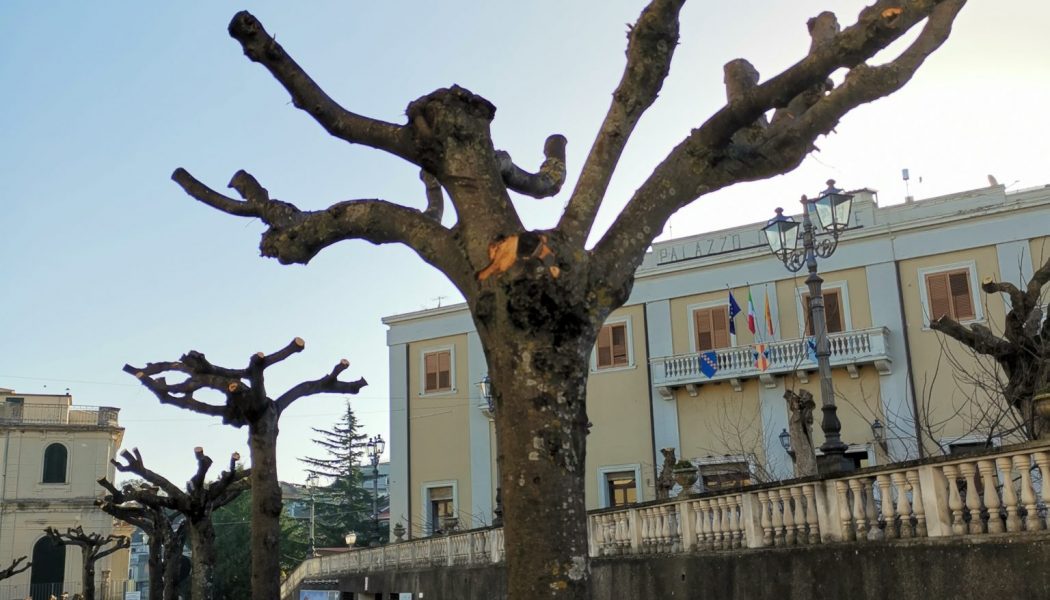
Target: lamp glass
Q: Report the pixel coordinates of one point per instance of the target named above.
(785, 440)
(833, 208)
(351, 538)
(781, 234)
(380, 445)
(878, 430)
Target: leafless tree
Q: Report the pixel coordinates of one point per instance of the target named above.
(93, 547)
(196, 503)
(1022, 350)
(539, 298)
(247, 403)
(143, 506)
(14, 569)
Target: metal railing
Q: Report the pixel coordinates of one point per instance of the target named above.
(58, 414)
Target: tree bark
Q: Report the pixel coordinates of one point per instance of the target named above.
(173, 562)
(266, 507)
(202, 544)
(155, 567)
(88, 573)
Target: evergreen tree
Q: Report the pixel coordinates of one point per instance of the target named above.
(342, 502)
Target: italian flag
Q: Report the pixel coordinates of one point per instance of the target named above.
(751, 316)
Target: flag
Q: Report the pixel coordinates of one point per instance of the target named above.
(734, 310)
(709, 363)
(769, 319)
(811, 349)
(761, 354)
(751, 317)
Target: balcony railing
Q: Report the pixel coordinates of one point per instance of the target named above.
(849, 349)
(58, 414)
(1005, 490)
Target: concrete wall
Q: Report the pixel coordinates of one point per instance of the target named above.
(992, 567)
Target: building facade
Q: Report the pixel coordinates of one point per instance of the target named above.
(668, 373)
(52, 453)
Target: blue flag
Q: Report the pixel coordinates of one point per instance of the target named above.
(709, 363)
(734, 310)
(811, 349)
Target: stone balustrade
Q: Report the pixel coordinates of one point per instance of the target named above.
(999, 491)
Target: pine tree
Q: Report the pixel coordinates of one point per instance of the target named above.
(342, 503)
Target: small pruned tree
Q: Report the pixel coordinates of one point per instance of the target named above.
(1022, 350)
(13, 569)
(93, 547)
(142, 506)
(196, 503)
(540, 297)
(247, 404)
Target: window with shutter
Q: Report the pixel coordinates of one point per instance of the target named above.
(712, 328)
(612, 346)
(948, 294)
(437, 369)
(832, 311)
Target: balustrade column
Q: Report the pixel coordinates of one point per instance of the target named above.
(727, 534)
(859, 516)
(900, 481)
(1032, 522)
(888, 514)
(703, 519)
(734, 521)
(845, 518)
(991, 495)
(869, 508)
(799, 515)
(955, 503)
(789, 517)
(766, 504)
(778, 519)
(1042, 459)
(812, 520)
(973, 499)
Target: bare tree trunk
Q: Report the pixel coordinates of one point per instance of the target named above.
(155, 567)
(540, 381)
(202, 545)
(266, 507)
(173, 562)
(88, 573)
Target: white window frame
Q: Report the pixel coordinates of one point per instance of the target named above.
(842, 287)
(603, 490)
(451, 348)
(626, 319)
(692, 308)
(425, 489)
(924, 300)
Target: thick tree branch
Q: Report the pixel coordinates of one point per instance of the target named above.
(733, 146)
(296, 236)
(435, 197)
(545, 183)
(329, 384)
(134, 464)
(261, 47)
(977, 337)
(14, 569)
(650, 47)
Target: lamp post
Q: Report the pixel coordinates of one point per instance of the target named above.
(375, 446)
(485, 389)
(832, 208)
(311, 485)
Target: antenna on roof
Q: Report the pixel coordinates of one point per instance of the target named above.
(907, 188)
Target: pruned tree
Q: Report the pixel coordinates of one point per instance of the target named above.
(1022, 350)
(196, 503)
(93, 548)
(144, 507)
(539, 298)
(247, 404)
(13, 569)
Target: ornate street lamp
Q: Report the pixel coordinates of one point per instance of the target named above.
(782, 234)
(375, 447)
(878, 431)
(351, 539)
(485, 389)
(785, 440)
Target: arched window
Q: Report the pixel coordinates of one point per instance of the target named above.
(49, 566)
(55, 463)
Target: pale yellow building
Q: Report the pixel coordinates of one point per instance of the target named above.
(52, 452)
(893, 268)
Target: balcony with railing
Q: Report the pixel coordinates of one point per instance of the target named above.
(58, 414)
(849, 350)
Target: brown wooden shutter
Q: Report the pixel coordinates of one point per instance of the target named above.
(720, 326)
(605, 347)
(962, 300)
(833, 311)
(937, 292)
(444, 370)
(431, 369)
(704, 334)
(619, 343)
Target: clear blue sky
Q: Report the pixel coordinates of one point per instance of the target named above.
(104, 260)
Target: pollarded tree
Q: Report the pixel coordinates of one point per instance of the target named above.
(197, 503)
(539, 298)
(1022, 351)
(247, 404)
(93, 548)
(14, 568)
